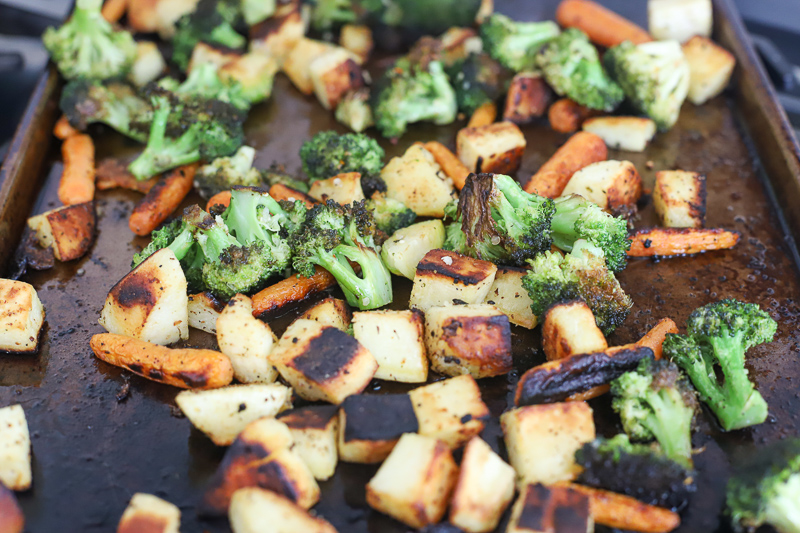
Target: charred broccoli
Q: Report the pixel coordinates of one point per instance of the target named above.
(87, 46)
(390, 214)
(118, 105)
(718, 335)
(180, 238)
(515, 44)
(572, 68)
(203, 83)
(327, 154)
(654, 77)
(211, 22)
(225, 172)
(477, 79)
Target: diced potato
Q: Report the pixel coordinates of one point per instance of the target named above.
(509, 296)
(495, 148)
(223, 413)
(255, 73)
(679, 197)
(612, 185)
(450, 410)
(484, 489)
(146, 512)
(322, 362)
(448, 278)
(710, 69)
(484, 11)
(370, 425)
(417, 180)
(396, 340)
(68, 230)
(148, 16)
(277, 35)
(15, 449)
(205, 53)
(354, 111)
(357, 39)
(21, 317)
(11, 518)
(148, 65)
(204, 310)
(528, 98)
(622, 133)
(150, 302)
(315, 431)
(679, 20)
(250, 505)
(569, 328)
(343, 189)
(334, 74)
(541, 509)
(554, 431)
(298, 62)
(414, 484)
(247, 341)
(468, 339)
(403, 251)
(458, 43)
(330, 312)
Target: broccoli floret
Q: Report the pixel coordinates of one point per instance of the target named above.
(718, 335)
(327, 154)
(180, 238)
(159, 238)
(327, 15)
(477, 79)
(580, 274)
(254, 216)
(203, 83)
(654, 77)
(115, 104)
(423, 17)
(515, 44)
(766, 489)
(255, 11)
(225, 172)
(572, 68)
(656, 402)
(390, 214)
(211, 22)
(211, 131)
(333, 236)
(577, 218)
(276, 174)
(87, 46)
(354, 112)
(414, 89)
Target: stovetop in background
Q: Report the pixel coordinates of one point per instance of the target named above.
(772, 23)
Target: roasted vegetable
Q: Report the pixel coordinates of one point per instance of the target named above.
(327, 154)
(515, 44)
(390, 214)
(477, 79)
(211, 22)
(223, 173)
(204, 83)
(115, 104)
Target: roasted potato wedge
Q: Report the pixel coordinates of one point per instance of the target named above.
(680, 198)
(15, 449)
(509, 296)
(447, 278)
(369, 426)
(22, 317)
(250, 505)
(247, 341)
(204, 310)
(417, 180)
(613, 185)
(315, 431)
(149, 513)
(343, 189)
(68, 230)
(396, 340)
(569, 328)
(496, 148)
(330, 312)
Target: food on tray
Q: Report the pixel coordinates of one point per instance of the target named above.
(11, 518)
(15, 449)
(22, 317)
(146, 510)
(680, 198)
(69, 231)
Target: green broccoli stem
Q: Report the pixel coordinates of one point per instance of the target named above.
(182, 244)
(370, 291)
(225, 35)
(563, 223)
(214, 241)
(671, 424)
(782, 510)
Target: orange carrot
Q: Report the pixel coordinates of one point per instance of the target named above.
(162, 200)
(113, 10)
(585, 396)
(280, 192)
(77, 179)
(679, 241)
(654, 339)
(567, 116)
(221, 199)
(114, 174)
(450, 163)
(603, 27)
(291, 290)
(64, 129)
(580, 150)
(483, 116)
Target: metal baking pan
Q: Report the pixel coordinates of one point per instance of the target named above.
(94, 444)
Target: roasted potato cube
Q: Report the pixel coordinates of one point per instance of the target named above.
(315, 431)
(450, 410)
(21, 317)
(278, 34)
(146, 512)
(484, 489)
(204, 310)
(468, 339)
(710, 68)
(396, 340)
(330, 312)
(610, 184)
(255, 73)
(541, 509)
(205, 53)
(250, 506)
(223, 413)
(15, 449)
(414, 484)
(554, 431)
(68, 230)
(246, 341)
(11, 518)
(297, 64)
(495, 148)
(358, 40)
(334, 74)
(680, 198)
(148, 65)
(322, 362)
(150, 302)
(569, 328)
(343, 189)
(458, 43)
(417, 180)
(448, 278)
(528, 98)
(403, 251)
(509, 296)
(679, 20)
(622, 133)
(148, 16)
(370, 426)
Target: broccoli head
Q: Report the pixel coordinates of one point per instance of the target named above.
(254, 216)
(571, 66)
(654, 77)
(766, 489)
(115, 104)
(423, 17)
(204, 83)
(160, 238)
(211, 22)
(390, 214)
(477, 79)
(327, 15)
(224, 173)
(354, 112)
(87, 46)
(327, 154)
(656, 402)
(718, 335)
(637, 470)
(515, 44)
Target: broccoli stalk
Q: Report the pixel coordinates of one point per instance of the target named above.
(87, 46)
(115, 104)
(515, 44)
(327, 154)
(224, 173)
(718, 335)
(327, 15)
